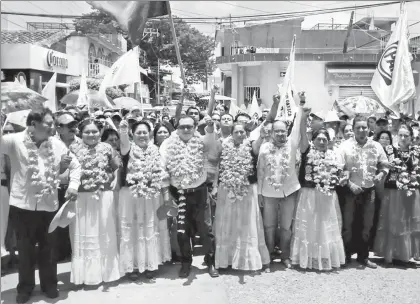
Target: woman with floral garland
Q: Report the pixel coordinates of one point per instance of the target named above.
(144, 241)
(238, 224)
(317, 242)
(93, 231)
(398, 232)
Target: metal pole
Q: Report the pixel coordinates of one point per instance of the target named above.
(158, 83)
(178, 54)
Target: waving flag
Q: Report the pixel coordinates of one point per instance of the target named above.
(287, 107)
(132, 15)
(83, 92)
(255, 111)
(49, 93)
(393, 81)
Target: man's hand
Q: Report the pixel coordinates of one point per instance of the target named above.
(306, 112)
(215, 89)
(379, 177)
(71, 194)
(276, 98)
(260, 201)
(65, 162)
(302, 98)
(124, 125)
(355, 188)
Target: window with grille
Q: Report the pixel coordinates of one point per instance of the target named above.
(249, 92)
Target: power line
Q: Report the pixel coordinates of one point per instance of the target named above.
(252, 9)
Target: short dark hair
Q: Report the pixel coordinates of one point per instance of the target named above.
(344, 117)
(359, 118)
(228, 115)
(107, 133)
(377, 136)
(187, 116)
(192, 108)
(408, 128)
(242, 114)
(89, 121)
(138, 123)
(38, 115)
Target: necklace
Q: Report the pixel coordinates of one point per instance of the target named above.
(47, 183)
(278, 164)
(144, 171)
(235, 167)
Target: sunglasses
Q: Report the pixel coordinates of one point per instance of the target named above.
(70, 125)
(185, 127)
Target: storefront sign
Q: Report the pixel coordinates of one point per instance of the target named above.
(349, 78)
(53, 59)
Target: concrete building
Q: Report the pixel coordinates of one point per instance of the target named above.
(45, 48)
(255, 58)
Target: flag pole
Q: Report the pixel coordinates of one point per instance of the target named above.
(178, 53)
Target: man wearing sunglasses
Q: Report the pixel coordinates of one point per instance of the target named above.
(189, 153)
(66, 127)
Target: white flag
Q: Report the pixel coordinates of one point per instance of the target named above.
(287, 106)
(393, 81)
(83, 98)
(126, 70)
(49, 93)
(255, 111)
(234, 109)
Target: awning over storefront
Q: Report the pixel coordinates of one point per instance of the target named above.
(354, 77)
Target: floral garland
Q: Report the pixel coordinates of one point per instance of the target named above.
(365, 160)
(323, 169)
(94, 161)
(49, 181)
(235, 167)
(185, 160)
(144, 171)
(279, 165)
(406, 180)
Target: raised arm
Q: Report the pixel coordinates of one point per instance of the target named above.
(179, 106)
(274, 108)
(212, 101)
(124, 138)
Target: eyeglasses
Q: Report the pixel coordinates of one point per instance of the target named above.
(70, 125)
(185, 127)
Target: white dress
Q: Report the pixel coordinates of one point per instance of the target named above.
(93, 232)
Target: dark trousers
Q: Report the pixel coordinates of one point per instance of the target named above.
(31, 229)
(357, 223)
(62, 245)
(197, 220)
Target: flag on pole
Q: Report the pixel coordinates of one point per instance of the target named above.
(126, 70)
(255, 111)
(132, 15)
(234, 109)
(287, 106)
(83, 99)
(349, 29)
(393, 80)
(49, 93)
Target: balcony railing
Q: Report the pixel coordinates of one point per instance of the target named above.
(329, 26)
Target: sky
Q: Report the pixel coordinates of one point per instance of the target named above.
(215, 9)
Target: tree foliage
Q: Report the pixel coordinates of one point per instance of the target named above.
(196, 48)
(94, 84)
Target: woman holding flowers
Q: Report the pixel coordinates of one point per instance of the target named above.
(238, 223)
(317, 242)
(398, 232)
(144, 241)
(93, 231)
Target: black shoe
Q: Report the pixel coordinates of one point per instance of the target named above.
(51, 293)
(213, 271)
(184, 272)
(23, 298)
(150, 275)
(368, 263)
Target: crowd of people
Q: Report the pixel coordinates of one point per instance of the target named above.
(308, 191)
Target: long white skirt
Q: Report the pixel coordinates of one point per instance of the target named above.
(4, 202)
(144, 243)
(316, 241)
(239, 232)
(94, 240)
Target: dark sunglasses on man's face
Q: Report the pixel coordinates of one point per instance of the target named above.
(185, 127)
(70, 125)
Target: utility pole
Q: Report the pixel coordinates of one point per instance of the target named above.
(158, 83)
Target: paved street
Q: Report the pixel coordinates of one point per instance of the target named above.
(347, 286)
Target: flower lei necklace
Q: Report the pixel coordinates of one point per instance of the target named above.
(49, 181)
(235, 167)
(279, 165)
(185, 160)
(406, 180)
(144, 171)
(94, 161)
(322, 169)
(365, 160)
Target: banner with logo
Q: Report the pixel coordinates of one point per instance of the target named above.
(287, 107)
(393, 81)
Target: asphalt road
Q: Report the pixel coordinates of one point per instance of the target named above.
(353, 285)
